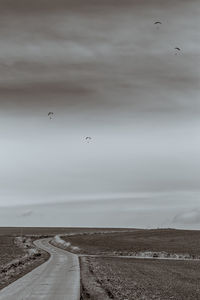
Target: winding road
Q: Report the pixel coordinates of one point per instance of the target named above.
(56, 279)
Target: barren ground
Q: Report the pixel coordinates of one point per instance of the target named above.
(49, 231)
(121, 278)
(10, 269)
(8, 249)
(122, 243)
(139, 279)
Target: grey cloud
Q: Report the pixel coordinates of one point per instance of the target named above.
(38, 6)
(109, 213)
(117, 55)
(188, 217)
(27, 213)
(147, 211)
(107, 72)
(50, 87)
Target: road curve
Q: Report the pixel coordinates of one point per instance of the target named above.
(56, 279)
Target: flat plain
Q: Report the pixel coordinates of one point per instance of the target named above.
(138, 279)
(125, 242)
(51, 231)
(117, 277)
(10, 251)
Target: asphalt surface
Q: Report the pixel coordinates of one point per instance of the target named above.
(56, 279)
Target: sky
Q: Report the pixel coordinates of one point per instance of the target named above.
(108, 72)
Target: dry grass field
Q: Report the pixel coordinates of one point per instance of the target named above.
(139, 279)
(122, 243)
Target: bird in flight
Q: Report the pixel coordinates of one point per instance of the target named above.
(50, 115)
(88, 139)
(158, 22)
(177, 50)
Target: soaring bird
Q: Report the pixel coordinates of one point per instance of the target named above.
(177, 48)
(50, 115)
(157, 22)
(88, 138)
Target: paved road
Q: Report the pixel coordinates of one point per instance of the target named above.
(56, 279)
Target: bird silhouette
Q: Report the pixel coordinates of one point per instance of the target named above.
(88, 138)
(50, 115)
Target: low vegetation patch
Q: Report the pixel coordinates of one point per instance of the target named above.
(59, 242)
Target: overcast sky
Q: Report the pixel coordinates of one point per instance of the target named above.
(106, 71)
